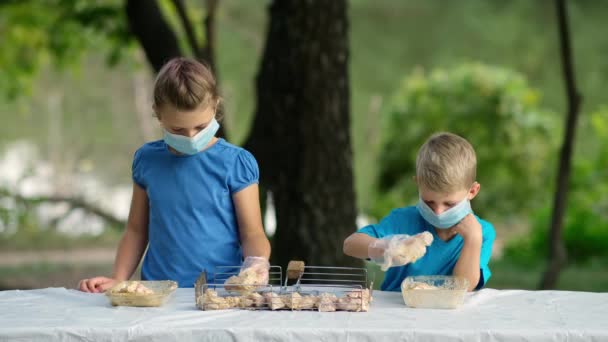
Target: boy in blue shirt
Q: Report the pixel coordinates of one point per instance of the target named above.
(462, 242)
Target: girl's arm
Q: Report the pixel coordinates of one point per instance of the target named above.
(134, 241)
(131, 246)
(251, 231)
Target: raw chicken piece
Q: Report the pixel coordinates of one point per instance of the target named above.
(403, 252)
(133, 287)
(120, 288)
(356, 300)
(211, 301)
(246, 303)
(292, 300)
(247, 281)
(142, 290)
(274, 301)
(419, 286)
(252, 300)
(308, 302)
(233, 301)
(327, 302)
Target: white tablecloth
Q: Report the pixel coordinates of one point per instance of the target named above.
(488, 315)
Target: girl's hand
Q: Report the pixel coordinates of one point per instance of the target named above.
(260, 266)
(97, 284)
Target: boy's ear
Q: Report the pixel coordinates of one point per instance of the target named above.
(474, 190)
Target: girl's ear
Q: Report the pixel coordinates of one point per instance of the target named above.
(474, 190)
(156, 113)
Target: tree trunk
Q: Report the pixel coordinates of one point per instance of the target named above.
(207, 53)
(557, 251)
(301, 130)
(148, 25)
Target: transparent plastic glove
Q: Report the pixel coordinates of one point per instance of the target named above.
(257, 268)
(398, 250)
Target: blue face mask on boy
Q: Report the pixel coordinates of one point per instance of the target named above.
(448, 218)
(192, 145)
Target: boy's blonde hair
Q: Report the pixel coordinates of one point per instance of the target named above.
(185, 84)
(446, 163)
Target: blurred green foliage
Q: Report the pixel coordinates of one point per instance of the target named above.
(58, 32)
(509, 274)
(586, 221)
(495, 109)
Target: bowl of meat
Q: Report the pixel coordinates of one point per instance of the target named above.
(141, 293)
(434, 292)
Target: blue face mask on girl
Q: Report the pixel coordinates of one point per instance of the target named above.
(448, 218)
(192, 145)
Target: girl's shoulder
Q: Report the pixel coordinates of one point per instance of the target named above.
(148, 150)
(151, 147)
(232, 152)
(225, 147)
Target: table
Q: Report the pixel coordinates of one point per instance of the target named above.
(487, 315)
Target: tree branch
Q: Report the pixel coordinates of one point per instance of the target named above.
(76, 203)
(208, 53)
(183, 16)
(557, 252)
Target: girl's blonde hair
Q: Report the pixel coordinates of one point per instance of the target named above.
(185, 84)
(446, 163)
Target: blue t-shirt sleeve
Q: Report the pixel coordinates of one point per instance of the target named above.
(399, 221)
(244, 173)
(486, 252)
(137, 169)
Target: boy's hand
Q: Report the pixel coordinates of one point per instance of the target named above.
(469, 228)
(96, 285)
(399, 250)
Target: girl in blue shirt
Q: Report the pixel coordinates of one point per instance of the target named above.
(195, 200)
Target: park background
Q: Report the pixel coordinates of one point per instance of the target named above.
(335, 96)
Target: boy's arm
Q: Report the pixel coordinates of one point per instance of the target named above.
(253, 239)
(468, 264)
(357, 245)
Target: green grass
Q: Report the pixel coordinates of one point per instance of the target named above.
(44, 275)
(36, 239)
(587, 277)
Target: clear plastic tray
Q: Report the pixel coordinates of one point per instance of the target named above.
(434, 292)
(162, 291)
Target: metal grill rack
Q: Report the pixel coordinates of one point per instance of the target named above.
(318, 288)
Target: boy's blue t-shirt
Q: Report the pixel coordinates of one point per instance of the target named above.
(441, 256)
(192, 222)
